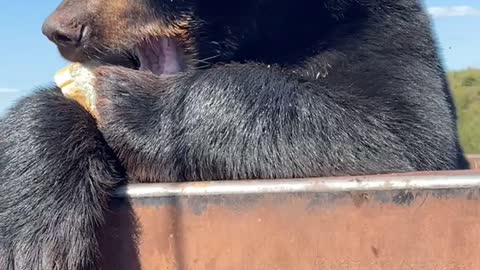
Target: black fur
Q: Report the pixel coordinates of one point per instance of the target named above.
(319, 88)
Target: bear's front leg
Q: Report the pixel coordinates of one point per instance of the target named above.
(56, 171)
(129, 107)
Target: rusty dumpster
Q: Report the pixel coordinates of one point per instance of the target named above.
(425, 221)
(474, 161)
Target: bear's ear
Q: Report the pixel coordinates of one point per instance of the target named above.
(340, 9)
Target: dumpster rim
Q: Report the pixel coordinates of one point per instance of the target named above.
(389, 182)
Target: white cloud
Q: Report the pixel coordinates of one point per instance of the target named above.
(453, 11)
(8, 90)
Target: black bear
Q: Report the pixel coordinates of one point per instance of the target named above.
(214, 89)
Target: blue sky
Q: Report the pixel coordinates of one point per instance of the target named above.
(30, 60)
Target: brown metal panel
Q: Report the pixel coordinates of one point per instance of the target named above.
(384, 229)
(474, 161)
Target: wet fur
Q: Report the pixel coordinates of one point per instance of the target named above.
(298, 89)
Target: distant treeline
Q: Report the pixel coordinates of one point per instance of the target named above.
(466, 91)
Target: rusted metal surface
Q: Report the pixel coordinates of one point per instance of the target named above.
(474, 161)
(394, 222)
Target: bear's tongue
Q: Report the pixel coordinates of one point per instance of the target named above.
(159, 56)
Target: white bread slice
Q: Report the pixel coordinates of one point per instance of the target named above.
(77, 83)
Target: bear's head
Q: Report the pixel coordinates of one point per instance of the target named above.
(169, 36)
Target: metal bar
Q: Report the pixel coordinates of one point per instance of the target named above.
(417, 181)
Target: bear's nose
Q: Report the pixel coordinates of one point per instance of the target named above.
(64, 31)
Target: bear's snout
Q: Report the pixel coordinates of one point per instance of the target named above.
(65, 30)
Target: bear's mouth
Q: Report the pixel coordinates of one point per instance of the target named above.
(160, 56)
